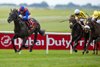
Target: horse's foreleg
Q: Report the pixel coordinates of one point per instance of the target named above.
(87, 45)
(23, 44)
(74, 37)
(13, 43)
(76, 43)
(85, 41)
(35, 40)
(71, 43)
(94, 47)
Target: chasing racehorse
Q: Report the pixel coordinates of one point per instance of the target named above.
(94, 34)
(77, 33)
(22, 31)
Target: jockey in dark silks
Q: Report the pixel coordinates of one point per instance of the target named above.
(25, 15)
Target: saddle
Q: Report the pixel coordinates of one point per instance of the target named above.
(31, 24)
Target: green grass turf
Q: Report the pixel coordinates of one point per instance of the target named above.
(48, 18)
(55, 58)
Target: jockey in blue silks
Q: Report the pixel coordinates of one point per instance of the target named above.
(24, 14)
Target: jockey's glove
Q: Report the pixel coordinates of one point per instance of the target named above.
(20, 16)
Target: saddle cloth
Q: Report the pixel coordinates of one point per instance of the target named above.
(31, 24)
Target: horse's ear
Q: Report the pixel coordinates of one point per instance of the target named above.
(11, 10)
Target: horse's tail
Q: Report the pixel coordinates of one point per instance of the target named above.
(42, 32)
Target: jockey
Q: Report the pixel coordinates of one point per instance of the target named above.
(25, 15)
(96, 16)
(80, 16)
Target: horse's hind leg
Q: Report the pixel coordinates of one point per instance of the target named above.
(15, 36)
(35, 40)
(97, 45)
(97, 48)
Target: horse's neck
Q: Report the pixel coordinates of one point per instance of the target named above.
(97, 28)
(17, 25)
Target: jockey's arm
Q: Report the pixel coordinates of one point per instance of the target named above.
(26, 16)
(84, 16)
(18, 12)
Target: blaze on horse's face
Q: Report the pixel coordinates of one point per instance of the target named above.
(12, 16)
(89, 26)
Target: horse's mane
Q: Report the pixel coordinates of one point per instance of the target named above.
(14, 10)
(72, 19)
(72, 15)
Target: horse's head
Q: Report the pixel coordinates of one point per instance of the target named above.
(72, 20)
(90, 25)
(87, 28)
(89, 20)
(13, 15)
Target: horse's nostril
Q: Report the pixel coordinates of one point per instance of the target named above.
(8, 20)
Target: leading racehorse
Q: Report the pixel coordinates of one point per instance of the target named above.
(22, 31)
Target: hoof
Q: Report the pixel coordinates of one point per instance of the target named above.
(87, 52)
(26, 47)
(75, 50)
(16, 51)
(96, 53)
(83, 52)
(93, 53)
(30, 50)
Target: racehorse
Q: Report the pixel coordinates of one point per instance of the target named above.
(94, 34)
(77, 33)
(22, 31)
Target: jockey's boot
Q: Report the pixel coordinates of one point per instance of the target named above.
(28, 24)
